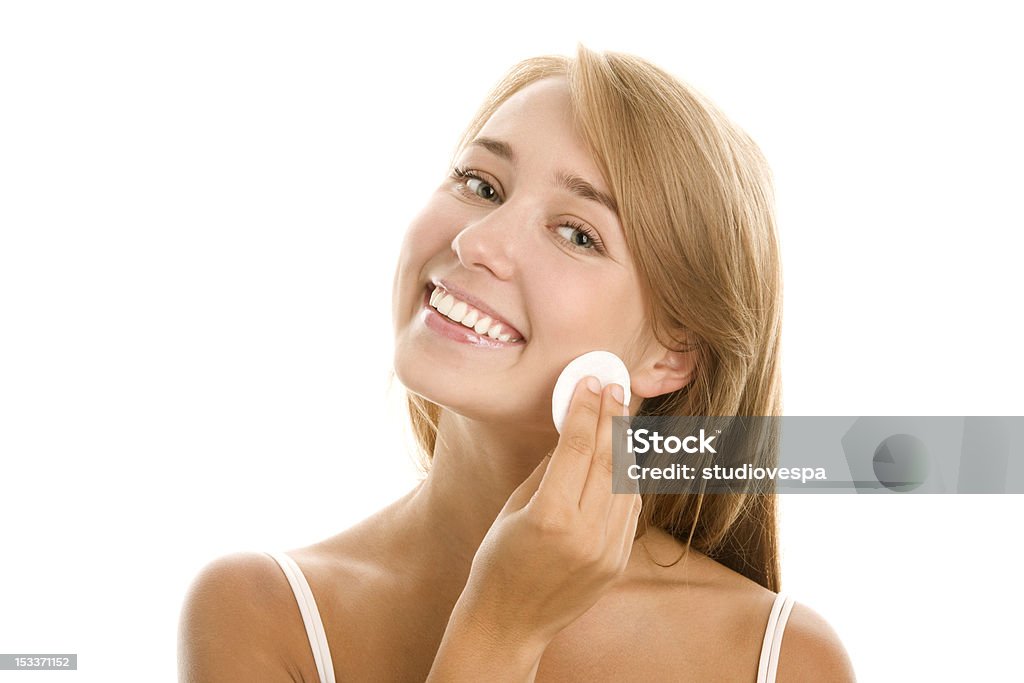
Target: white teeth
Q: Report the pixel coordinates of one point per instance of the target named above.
(458, 310)
(482, 325)
(461, 312)
(445, 304)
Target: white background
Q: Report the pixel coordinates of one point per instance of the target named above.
(200, 210)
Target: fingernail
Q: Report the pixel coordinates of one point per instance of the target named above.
(593, 384)
(617, 392)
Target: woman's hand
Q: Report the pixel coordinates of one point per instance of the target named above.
(560, 541)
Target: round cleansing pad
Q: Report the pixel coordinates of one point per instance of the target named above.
(604, 365)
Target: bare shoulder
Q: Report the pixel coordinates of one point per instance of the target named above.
(811, 650)
(710, 625)
(238, 623)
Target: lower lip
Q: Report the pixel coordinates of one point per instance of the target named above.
(457, 331)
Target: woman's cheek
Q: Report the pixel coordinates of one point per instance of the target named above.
(432, 229)
(576, 311)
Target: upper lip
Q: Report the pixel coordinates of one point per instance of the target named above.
(462, 295)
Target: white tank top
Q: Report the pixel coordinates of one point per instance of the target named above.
(766, 668)
(310, 616)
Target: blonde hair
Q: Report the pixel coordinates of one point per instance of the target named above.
(696, 203)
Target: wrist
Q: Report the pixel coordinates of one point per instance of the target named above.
(474, 646)
(494, 633)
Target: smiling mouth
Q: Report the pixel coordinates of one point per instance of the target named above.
(468, 318)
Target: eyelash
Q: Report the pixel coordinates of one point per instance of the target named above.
(462, 174)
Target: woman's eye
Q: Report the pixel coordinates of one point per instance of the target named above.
(481, 189)
(470, 184)
(580, 237)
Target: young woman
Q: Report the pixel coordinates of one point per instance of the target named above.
(594, 202)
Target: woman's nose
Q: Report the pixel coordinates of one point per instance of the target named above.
(490, 242)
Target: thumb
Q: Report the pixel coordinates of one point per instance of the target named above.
(524, 492)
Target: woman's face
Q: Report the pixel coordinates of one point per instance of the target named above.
(519, 234)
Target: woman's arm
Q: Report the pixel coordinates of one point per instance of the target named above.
(472, 651)
(560, 542)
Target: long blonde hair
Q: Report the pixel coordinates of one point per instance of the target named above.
(696, 203)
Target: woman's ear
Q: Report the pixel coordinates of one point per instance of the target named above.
(663, 371)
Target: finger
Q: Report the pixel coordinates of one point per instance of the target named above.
(597, 492)
(524, 492)
(571, 458)
(621, 508)
(625, 507)
(632, 517)
(622, 523)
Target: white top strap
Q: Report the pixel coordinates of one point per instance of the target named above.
(310, 616)
(772, 643)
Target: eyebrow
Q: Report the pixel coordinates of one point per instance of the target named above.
(568, 181)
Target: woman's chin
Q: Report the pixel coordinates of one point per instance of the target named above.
(428, 380)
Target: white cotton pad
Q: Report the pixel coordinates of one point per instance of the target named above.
(604, 365)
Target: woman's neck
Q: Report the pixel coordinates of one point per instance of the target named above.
(432, 533)
(475, 468)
